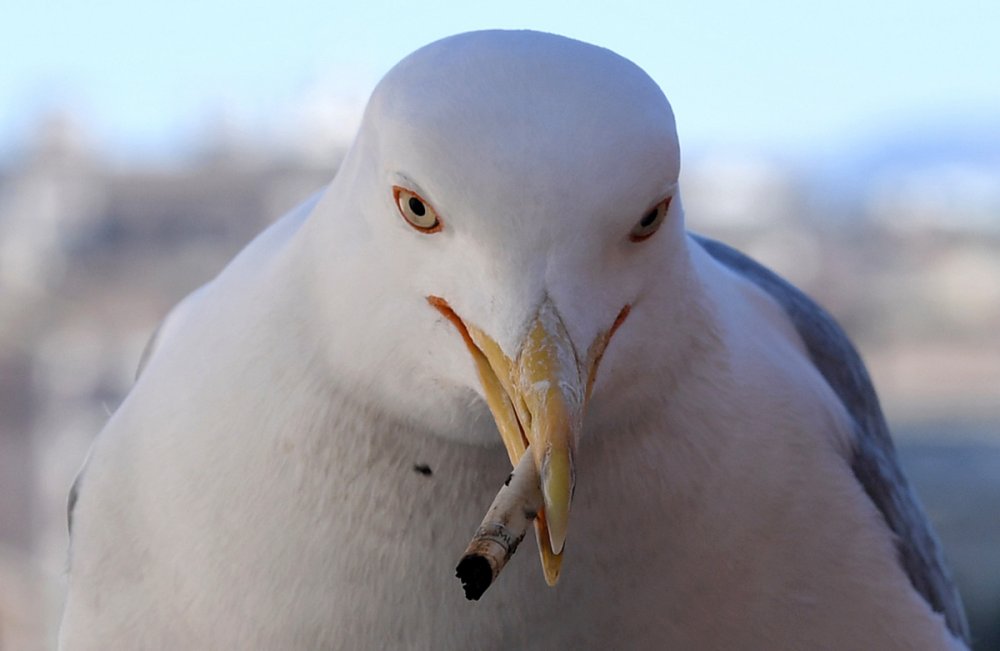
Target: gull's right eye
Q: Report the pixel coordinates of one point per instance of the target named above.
(418, 213)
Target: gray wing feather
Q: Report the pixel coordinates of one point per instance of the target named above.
(74, 494)
(147, 353)
(74, 490)
(874, 461)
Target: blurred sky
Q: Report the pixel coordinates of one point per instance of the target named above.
(791, 77)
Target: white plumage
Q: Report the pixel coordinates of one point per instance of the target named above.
(735, 486)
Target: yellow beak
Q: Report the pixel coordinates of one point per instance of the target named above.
(538, 400)
(548, 392)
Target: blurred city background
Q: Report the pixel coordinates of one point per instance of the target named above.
(885, 208)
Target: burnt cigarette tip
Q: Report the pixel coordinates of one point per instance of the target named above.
(476, 575)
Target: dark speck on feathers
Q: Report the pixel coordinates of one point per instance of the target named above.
(423, 469)
(530, 514)
(507, 481)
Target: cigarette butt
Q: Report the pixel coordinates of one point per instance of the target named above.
(508, 518)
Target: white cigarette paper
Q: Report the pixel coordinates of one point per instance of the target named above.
(514, 508)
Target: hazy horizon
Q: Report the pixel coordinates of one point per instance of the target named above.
(804, 82)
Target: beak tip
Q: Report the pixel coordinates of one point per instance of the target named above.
(557, 516)
(557, 476)
(557, 540)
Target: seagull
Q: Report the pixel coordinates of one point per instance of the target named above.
(501, 267)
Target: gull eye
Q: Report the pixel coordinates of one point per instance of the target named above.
(650, 222)
(417, 212)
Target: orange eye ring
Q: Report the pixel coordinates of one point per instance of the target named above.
(417, 212)
(650, 222)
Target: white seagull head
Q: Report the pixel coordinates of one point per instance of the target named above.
(509, 207)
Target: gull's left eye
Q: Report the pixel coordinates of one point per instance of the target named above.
(650, 222)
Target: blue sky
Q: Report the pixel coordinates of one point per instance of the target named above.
(785, 76)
